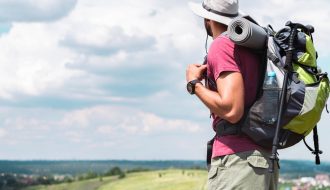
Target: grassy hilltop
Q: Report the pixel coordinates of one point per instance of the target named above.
(173, 179)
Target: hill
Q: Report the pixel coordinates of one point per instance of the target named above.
(160, 180)
(289, 168)
(77, 167)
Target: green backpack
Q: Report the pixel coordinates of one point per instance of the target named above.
(292, 58)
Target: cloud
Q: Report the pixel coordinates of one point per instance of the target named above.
(2, 133)
(91, 128)
(315, 13)
(21, 123)
(104, 120)
(105, 129)
(110, 119)
(105, 41)
(88, 56)
(34, 10)
(32, 62)
(147, 123)
(76, 137)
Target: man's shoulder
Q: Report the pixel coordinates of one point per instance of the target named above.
(223, 40)
(221, 44)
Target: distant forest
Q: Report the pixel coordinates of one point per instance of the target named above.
(289, 168)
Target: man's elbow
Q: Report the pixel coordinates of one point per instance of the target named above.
(235, 115)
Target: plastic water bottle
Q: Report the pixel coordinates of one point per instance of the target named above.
(271, 98)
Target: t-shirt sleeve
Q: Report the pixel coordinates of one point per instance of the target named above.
(221, 57)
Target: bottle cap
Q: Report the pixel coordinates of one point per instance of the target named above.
(271, 74)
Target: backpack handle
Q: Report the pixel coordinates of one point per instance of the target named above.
(309, 29)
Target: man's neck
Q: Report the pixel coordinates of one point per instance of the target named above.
(218, 33)
(217, 30)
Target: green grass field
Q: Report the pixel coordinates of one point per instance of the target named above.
(173, 179)
(160, 180)
(92, 184)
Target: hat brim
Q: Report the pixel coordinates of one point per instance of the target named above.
(200, 11)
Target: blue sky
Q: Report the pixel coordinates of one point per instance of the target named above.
(104, 79)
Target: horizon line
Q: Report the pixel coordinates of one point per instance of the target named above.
(131, 160)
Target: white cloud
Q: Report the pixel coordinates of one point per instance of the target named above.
(92, 129)
(105, 41)
(35, 62)
(148, 123)
(32, 63)
(22, 123)
(76, 137)
(114, 120)
(2, 133)
(105, 129)
(277, 12)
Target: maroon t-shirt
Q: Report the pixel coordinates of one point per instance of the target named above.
(224, 56)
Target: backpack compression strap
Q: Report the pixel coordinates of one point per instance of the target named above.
(316, 150)
(224, 127)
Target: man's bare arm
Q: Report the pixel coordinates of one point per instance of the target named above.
(228, 101)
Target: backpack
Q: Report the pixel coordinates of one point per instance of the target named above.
(303, 90)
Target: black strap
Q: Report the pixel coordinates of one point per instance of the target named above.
(316, 151)
(309, 148)
(224, 128)
(209, 149)
(263, 69)
(217, 12)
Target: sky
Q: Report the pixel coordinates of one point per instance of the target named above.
(104, 79)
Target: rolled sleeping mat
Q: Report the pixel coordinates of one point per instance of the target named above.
(246, 33)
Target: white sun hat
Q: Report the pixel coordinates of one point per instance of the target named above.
(222, 11)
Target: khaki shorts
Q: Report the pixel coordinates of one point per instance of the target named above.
(244, 170)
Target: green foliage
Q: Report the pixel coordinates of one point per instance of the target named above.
(122, 175)
(45, 180)
(91, 175)
(67, 179)
(114, 171)
(88, 175)
(138, 169)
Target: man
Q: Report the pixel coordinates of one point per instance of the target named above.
(232, 80)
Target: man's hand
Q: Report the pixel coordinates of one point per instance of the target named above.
(195, 71)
